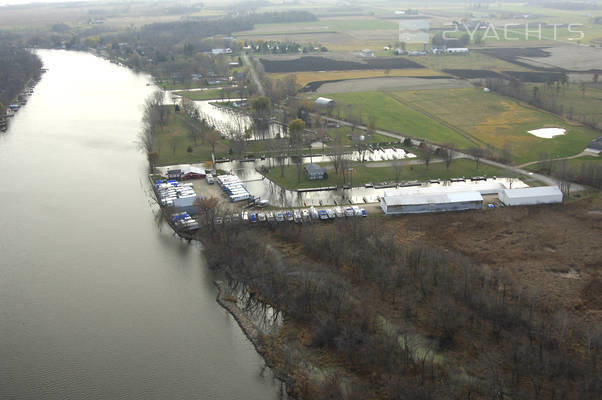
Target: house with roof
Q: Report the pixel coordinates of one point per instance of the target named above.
(315, 172)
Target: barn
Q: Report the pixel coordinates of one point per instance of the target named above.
(430, 202)
(531, 196)
(193, 173)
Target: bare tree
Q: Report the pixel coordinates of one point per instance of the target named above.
(427, 155)
(398, 168)
(476, 153)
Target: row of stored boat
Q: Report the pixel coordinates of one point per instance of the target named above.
(297, 216)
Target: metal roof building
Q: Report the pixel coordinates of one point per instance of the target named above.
(314, 171)
(531, 196)
(323, 101)
(431, 202)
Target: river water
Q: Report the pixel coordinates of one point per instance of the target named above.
(97, 300)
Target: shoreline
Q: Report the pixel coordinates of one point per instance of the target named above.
(250, 331)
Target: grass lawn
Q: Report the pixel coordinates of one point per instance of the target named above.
(173, 142)
(209, 94)
(394, 116)
(500, 122)
(303, 78)
(363, 174)
(574, 163)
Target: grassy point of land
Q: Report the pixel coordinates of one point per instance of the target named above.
(370, 174)
(209, 94)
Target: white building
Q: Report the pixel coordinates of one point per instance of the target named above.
(457, 50)
(423, 202)
(531, 196)
(324, 102)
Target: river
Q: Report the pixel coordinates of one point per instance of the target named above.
(97, 300)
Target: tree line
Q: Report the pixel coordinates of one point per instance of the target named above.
(447, 307)
(17, 67)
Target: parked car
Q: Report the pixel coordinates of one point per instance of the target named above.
(331, 213)
(339, 212)
(364, 212)
(297, 216)
(253, 217)
(235, 218)
(357, 211)
(245, 216)
(323, 214)
(261, 217)
(219, 220)
(314, 213)
(349, 212)
(227, 219)
(209, 179)
(270, 216)
(289, 216)
(279, 217)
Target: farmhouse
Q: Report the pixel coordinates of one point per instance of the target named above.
(314, 172)
(457, 50)
(430, 202)
(325, 102)
(595, 146)
(531, 196)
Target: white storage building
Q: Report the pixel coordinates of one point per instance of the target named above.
(531, 196)
(431, 202)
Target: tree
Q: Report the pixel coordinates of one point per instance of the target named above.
(448, 153)
(295, 130)
(212, 138)
(476, 153)
(427, 155)
(398, 168)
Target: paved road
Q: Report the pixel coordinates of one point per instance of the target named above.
(547, 180)
(248, 62)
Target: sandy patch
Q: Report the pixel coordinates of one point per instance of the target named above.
(548, 133)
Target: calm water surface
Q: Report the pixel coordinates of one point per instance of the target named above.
(96, 300)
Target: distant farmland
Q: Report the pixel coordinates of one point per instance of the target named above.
(317, 63)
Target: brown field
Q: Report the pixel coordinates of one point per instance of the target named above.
(303, 78)
(554, 251)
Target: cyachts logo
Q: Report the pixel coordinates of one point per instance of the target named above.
(414, 31)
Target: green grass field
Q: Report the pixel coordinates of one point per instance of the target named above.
(391, 115)
(501, 122)
(363, 174)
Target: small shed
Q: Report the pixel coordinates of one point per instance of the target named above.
(174, 174)
(193, 173)
(315, 172)
(431, 202)
(325, 102)
(595, 146)
(531, 196)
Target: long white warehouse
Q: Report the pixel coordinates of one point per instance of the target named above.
(531, 196)
(431, 202)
